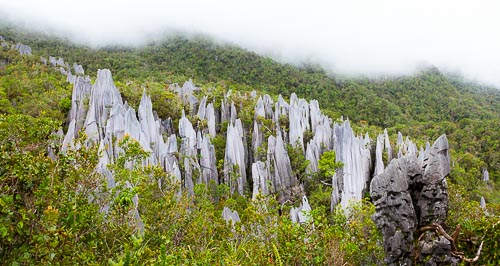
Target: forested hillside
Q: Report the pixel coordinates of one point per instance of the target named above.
(35, 101)
(428, 103)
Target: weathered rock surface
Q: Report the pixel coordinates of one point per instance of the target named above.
(301, 214)
(78, 69)
(234, 160)
(229, 215)
(395, 215)
(486, 175)
(283, 179)
(23, 49)
(261, 178)
(409, 194)
(350, 180)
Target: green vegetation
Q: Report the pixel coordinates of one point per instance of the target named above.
(47, 217)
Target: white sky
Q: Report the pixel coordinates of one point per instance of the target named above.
(348, 37)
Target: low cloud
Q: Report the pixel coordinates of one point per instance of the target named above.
(384, 37)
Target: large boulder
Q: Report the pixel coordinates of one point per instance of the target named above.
(395, 215)
(409, 194)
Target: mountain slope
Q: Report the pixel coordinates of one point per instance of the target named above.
(424, 97)
(428, 102)
(51, 202)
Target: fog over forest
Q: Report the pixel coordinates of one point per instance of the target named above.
(373, 38)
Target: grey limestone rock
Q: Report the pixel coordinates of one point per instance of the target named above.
(259, 108)
(388, 148)
(52, 61)
(70, 78)
(229, 215)
(23, 49)
(379, 150)
(298, 120)
(234, 113)
(186, 93)
(79, 101)
(486, 175)
(354, 153)
(432, 199)
(103, 97)
(78, 69)
(395, 215)
(210, 117)
(257, 139)
(261, 179)
(60, 62)
(234, 160)
(409, 194)
(188, 176)
(437, 249)
(202, 107)
(301, 214)
(283, 179)
(321, 141)
(208, 161)
(483, 203)
(268, 106)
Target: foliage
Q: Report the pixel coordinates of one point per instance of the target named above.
(477, 224)
(28, 87)
(55, 211)
(327, 164)
(297, 161)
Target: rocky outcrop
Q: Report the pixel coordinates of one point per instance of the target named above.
(432, 199)
(78, 69)
(298, 115)
(230, 216)
(52, 61)
(186, 93)
(350, 181)
(234, 160)
(301, 214)
(395, 215)
(261, 179)
(23, 49)
(486, 175)
(410, 194)
(283, 179)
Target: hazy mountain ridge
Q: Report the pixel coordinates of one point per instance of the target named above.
(245, 108)
(425, 96)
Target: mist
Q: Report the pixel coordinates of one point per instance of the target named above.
(369, 38)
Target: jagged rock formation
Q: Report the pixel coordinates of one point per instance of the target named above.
(78, 69)
(301, 214)
(52, 61)
(410, 194)
(234, 160)
(261, 178)
(486, 175)
(23, 49)
(229, 215)
(261, 166)
(350, 180)
(395, 215)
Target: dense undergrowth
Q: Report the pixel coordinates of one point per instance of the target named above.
(50, 210)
